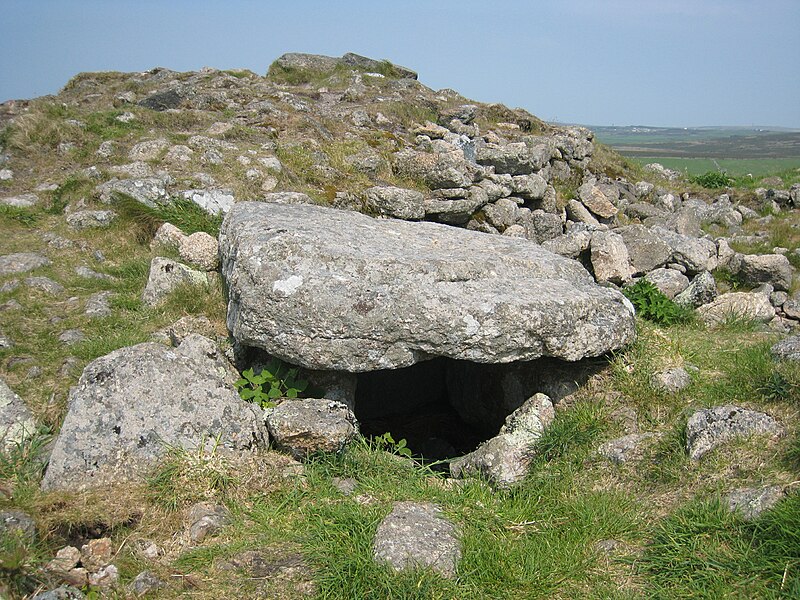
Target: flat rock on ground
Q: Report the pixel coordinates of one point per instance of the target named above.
(318, 287)
(706, 429)
(751, 502)
(415, 535)
(131, 404)
(22, 262)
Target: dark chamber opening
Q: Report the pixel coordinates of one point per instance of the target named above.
(415, 403)
(445, 408)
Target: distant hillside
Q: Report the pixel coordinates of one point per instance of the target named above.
(702, 142)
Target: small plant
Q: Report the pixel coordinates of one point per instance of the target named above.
(386, 443)
(775, 387)
(713, 179)
(653, 305)
(275, 381)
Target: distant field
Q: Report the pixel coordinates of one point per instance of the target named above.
(735, 167)
(703, 142)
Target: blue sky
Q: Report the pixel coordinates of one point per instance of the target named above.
(599, 62)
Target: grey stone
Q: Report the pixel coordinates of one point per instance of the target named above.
(17, 523)
(456, 211)
(708, 428)
(303, 427)
(609, 256)
(755, 269)
(750, 503)
(144, 583)
(570, 245)
(541, 226)
(670, 381)
(150, 191)
(167, 235)
(71, 337)
(627, 448)
(702, 290)
(64, 592)
(644, 210)
(20, 201)
(436, 170)
(165, 276)
(5, 342)
(98, 305)
(289, 198)
(91, 219)
(46, 285)
(501, 214)
(505, 459)
(646, 250)
(643, 188)
(169, 399)
(396, 202)
(346, 486)
(214, 202)
(416, 535)
(787, 349)
(162, 100)
(594, 198)
(201, 250)
(16, 421)
(737, 305)
(669, 281)
(722, 212)
(316, 287)
(205, 519)
(696, 254)
(530, 187)
(517, 158)
(88, 273)
(579, 213)
(22, 262)
(148, 149)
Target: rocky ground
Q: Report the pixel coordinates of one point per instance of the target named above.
(620, 341)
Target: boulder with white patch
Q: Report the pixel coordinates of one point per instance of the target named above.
(337, 290)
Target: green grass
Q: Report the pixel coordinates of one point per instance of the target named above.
(736, 167)
(704, 551)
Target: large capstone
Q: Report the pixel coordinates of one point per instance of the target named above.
(337, 290)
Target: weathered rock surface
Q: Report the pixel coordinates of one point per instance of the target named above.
(416, 535)
(787, 349)
(670, 381)
(504, 459)
(626, 448)
(165, 276)
(150, 191)
(755, 269)
(396, 202)
(696, 254)
(91, 219)
(317, 287)
(751, 502)
(701, 290)
(206, 519)
(737, 305)
(646, 250)
(669, 281)
(706, 429)
(16, 421)
(303, 427)
(214, 202)
(201, 250)
(609, 257)
(22, 262)
(16, 522)
(130, 404)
